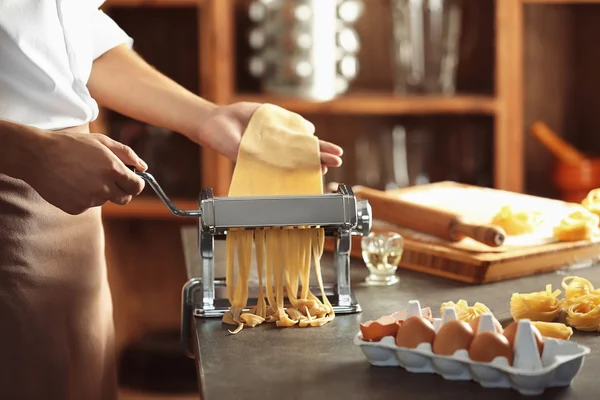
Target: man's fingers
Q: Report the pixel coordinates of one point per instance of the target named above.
(96, 202)
(329, 160)
(120, 197)
(323, 169)
(129, 183)
(124, 153)
(111, 192)
(330, 148)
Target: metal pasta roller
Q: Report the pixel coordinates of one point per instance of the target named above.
(340, 214)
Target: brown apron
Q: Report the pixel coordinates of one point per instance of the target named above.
(56, 326)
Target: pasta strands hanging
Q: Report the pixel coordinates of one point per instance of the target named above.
(230, 272)
(279, 155)
(244, 252)
(259, 243)
(284, 274)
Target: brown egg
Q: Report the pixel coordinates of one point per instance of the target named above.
(414, 331)
(374, 331)
(510, 332)
(488, 345)
(453, 336)
(475, 325)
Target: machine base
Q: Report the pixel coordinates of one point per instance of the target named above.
(222, 306)
(221, 303)
(192, 303)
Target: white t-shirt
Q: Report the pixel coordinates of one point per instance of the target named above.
(46, 52)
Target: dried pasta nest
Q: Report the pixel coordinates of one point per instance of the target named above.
(582, 304)
(464, 312)
(580, 307)
(538, 306)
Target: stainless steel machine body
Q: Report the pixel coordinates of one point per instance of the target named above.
(340, 214)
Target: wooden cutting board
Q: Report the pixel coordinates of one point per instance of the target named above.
(473, 262)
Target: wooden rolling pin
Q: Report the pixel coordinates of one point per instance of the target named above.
(429, 220)
(557, 146)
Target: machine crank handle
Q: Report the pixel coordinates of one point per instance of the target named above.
(163, 196)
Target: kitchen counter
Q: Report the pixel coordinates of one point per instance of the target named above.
(322, 363)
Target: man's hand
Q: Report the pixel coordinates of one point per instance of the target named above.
(222, 130)
(122, 81)
(76, 171)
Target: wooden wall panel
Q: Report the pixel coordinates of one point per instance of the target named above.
(561, 86)
(167, 38)
(146, 272)
(586, 75)
(548, 86)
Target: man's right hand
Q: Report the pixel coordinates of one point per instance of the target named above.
(76, 171)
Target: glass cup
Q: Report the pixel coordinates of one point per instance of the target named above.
(382, 253)
(426, 40)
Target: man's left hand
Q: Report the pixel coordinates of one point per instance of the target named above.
(223, 127)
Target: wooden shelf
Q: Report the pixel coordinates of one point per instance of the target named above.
(148, 208)
(381, 104)
(154, 3)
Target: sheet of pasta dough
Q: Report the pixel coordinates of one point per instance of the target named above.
(279, 155)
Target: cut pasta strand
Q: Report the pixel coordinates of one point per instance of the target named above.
(259, 243)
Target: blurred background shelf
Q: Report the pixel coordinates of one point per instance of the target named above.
(381, 104)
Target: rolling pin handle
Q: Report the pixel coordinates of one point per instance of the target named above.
(490, 235)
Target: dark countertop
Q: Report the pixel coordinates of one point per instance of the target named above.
(322, 363)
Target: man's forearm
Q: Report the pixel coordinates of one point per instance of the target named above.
(124, 82)
(18, 145)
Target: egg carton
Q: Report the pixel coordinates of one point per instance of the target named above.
(530, 373)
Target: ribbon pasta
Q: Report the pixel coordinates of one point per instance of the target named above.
(538, 306)
(517, 222)
(580, 307)
(581, 304)
(580, 224)
(279, 155)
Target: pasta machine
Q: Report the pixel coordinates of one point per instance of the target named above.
(340, 214)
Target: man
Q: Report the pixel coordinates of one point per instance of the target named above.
(56, 57)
